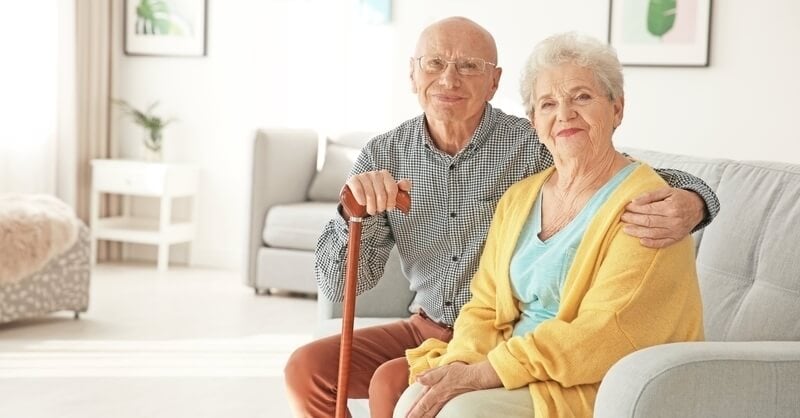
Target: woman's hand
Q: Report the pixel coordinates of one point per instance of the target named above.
(664, 216)
(446, 382)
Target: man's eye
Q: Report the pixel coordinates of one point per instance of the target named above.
(583, 97)
(436, 63)
(546, 105)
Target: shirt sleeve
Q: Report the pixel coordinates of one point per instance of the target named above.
(682, 180)
(377, 241)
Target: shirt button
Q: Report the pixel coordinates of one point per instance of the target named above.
(452, 214)
(455, 258)
(452, 167)
(448, 303)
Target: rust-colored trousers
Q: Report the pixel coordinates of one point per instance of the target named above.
(378, 368)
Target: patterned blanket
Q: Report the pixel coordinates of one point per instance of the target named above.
(34, 228)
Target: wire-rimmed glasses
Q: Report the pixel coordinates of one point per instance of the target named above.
(434, 64)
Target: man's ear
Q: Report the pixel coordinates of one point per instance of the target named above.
(496, 73)
(411, 76)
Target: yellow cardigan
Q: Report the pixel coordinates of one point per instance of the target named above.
(618, 297)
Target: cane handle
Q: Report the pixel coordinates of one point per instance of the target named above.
(353, 209)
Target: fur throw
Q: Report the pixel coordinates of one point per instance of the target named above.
(34, 228)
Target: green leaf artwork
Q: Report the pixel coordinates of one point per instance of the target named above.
(660, 16)
(153, 17)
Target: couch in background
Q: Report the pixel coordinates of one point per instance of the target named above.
(748, 262)
(291, 201)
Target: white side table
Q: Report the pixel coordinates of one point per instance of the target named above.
(140, 178)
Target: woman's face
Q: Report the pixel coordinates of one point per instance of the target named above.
(573, 114)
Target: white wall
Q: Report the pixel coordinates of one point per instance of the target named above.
(312, 63)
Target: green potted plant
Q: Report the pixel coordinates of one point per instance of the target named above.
(153, 126)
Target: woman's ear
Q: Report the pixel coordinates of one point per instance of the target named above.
(619, 110)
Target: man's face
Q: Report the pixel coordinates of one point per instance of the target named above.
(448, 96)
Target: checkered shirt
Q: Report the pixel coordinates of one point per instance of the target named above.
(453, 199)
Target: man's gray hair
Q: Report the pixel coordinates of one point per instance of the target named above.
(572, 48)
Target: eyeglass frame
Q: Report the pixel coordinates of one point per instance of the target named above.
(455, 62)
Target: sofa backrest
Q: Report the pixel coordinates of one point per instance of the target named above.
(337, 154)
(748, 259)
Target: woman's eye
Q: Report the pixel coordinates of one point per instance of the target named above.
(546, 105)
(584, 97)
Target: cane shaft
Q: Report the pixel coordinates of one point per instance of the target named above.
(354, 212)
(348, 316)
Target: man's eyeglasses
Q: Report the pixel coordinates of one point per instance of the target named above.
(465, 66)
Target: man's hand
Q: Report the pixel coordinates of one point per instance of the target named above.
(664, 216)
(377, 190)
(446, 382)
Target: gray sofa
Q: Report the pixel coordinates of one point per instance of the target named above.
(748, 262)
(291, 201)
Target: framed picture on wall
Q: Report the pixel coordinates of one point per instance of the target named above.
(668, 33)
(165, 27)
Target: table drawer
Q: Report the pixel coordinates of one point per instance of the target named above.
(134, 178)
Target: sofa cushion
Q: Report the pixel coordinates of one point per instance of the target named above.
(339, 155)
(749, 258)
(297, 225)
(328, 182)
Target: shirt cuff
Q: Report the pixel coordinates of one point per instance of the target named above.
(711, 204)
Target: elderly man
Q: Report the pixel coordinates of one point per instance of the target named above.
(457, 159)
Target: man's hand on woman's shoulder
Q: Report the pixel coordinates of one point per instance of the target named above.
(663, 217)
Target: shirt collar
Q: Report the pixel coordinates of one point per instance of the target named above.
(479, 137)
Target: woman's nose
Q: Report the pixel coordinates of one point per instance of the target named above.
(564, 112)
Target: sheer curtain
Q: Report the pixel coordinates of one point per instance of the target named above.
(93, 90)
(29, 96)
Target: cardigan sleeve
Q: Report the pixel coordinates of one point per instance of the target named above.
(638, 298)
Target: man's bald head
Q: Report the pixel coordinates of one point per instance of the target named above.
(457, 36)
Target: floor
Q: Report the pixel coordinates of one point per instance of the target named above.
(185, 343)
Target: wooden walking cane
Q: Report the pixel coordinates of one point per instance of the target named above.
(355, 214)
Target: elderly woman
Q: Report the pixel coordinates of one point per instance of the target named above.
(561, 293)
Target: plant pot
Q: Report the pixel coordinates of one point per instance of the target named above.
(151, 149)
(150, 155)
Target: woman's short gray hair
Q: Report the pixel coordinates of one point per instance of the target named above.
(572, 48)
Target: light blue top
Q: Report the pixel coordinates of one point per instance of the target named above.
(538, 269)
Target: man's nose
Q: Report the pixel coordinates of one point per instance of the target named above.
(449, 77)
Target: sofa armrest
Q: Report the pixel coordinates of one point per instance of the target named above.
(284, 164)
(390, 298)
(704, 379)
